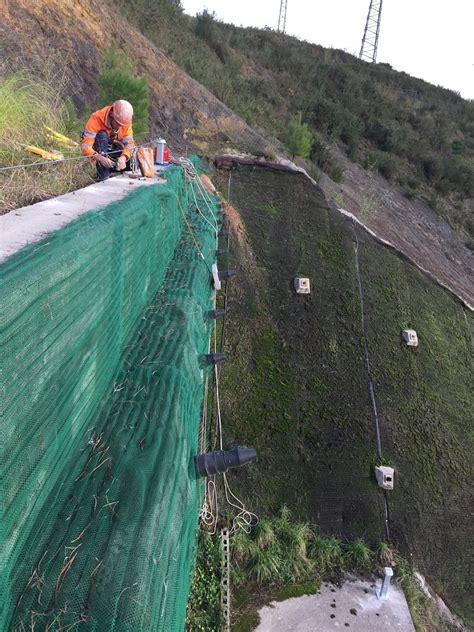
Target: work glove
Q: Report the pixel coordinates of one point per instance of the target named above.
(104, 161)
(121, 163)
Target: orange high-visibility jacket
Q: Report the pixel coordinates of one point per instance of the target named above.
(97, 122)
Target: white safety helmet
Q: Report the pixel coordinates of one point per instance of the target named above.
(122, 111)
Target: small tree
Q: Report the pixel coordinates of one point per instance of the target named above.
(299, 139)
(117, 81)
(205, 27)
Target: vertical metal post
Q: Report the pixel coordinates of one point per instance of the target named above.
(387, 576)
(225, 580)
(229, 184)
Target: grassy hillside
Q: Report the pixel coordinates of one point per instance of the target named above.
(296, 386)
(417, 135)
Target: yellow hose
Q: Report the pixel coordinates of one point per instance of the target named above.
(47, 155)
(60, 137)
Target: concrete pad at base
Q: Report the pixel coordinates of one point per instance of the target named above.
(331, 610)
(30, 224)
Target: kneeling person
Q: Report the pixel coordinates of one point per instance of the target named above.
(108, 138)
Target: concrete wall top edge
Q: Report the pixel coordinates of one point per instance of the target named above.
(30, 224)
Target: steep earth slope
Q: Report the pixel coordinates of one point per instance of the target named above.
(296, 384)
(70, 37)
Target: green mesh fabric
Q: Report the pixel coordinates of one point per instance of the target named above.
(103, 333)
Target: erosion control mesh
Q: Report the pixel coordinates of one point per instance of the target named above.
(104, 333)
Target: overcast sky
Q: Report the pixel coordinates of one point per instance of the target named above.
(430, 39)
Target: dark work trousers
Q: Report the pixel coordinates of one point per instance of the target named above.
(113, 149)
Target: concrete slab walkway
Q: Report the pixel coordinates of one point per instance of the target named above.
(353, 606)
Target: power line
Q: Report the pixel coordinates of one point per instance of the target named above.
(370, 40)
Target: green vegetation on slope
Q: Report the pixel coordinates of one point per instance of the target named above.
(117, 80)
(416, 134)
(296, 386)
(204, 612)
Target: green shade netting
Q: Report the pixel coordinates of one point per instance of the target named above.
(103, 331)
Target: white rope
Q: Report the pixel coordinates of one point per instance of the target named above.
(194, 177)
(210, 511)
(214, 228)
(205, 193)
(203, 432)
(187, 176)
(206, 197)
(244, 519)
(186, 164)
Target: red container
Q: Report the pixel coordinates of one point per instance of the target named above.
(166, 154)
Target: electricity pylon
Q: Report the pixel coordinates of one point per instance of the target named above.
(368, 49)
(282, 16)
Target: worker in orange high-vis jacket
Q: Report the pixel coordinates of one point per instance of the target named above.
(108, 138)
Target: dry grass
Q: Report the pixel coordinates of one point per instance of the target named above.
(27, 104)
(27, 186)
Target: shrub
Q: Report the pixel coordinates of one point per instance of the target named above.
(322, 157)
(388, 167)
(205, 27)
(469, 225)
(460, 174)
(458, 147)
(117, 81)
(385, 164)
(264, 534)
(327, 554)
(432, 166)
(385, 554)
(265, 566)
(299, 139)
(358, 555)
(275, 552)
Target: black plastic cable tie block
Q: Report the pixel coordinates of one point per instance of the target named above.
(221, 252)
(215, 358)
(223, 232)
(216, 313)
(227, 274)
(220, 461)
